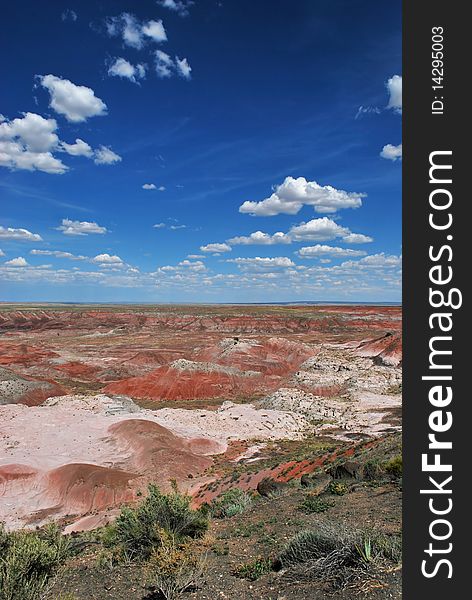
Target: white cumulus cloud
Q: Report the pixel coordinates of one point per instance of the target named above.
(19, 261)
(69, 227)
(166, 66)
(289, 197)
(27, 143)
(394, 87)
(155, 30)
(76, 102)
(392, 152)
(107, 259)
(357, 238)
(319, 230)
(79, 148)
(262, 263)
(324, 250)
(105, 156)
(259, 237)
(133, 32)
(149, 186)
(216, 248)
(10, 233)
(124, 69)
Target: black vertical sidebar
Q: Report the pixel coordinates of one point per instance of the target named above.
(442, 127)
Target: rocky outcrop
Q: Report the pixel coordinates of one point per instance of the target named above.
(15, 389)
(385, 350)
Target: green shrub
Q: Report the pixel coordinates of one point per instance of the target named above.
(230, 503)
(394, 466)
(254, 570)
(314, 504)
(336, 554)
(373, 469)
(27, 561)
(174, 568)
(137, 530)
(337, 488)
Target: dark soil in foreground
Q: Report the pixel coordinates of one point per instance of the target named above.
(259, 533)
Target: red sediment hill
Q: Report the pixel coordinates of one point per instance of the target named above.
(80, 488)
(155, 450)
(320, 319)
(187, 380)
(227, 369)
(77, 369)
(274, 356)
(15, 472)
(386, 350)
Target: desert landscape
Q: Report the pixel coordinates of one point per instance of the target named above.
(98, 402)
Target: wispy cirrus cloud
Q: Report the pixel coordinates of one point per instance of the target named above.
(181, 7)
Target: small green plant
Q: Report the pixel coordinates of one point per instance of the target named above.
(365, 550)
(253, 570)
(220, 550)
(230, 503)
(28, 560)
(337, 488)
(137, 530)
(394, 466)
(315, 504)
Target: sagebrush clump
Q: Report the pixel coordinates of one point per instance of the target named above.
(336, 554)
(28, 560)
(230, 503)
(315, 504)
(174, 568)
(394, 467)
(138, 530)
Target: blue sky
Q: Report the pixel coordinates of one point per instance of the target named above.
(241, 119)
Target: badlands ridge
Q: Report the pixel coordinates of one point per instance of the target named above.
(97, 402)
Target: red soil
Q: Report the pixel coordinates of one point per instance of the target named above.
(15, 472)
(169, 383)
(82, 487)
(24, 354)
(37, 396)
(275, 356)
(157, 451)
(330, 318)
(77, 369)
